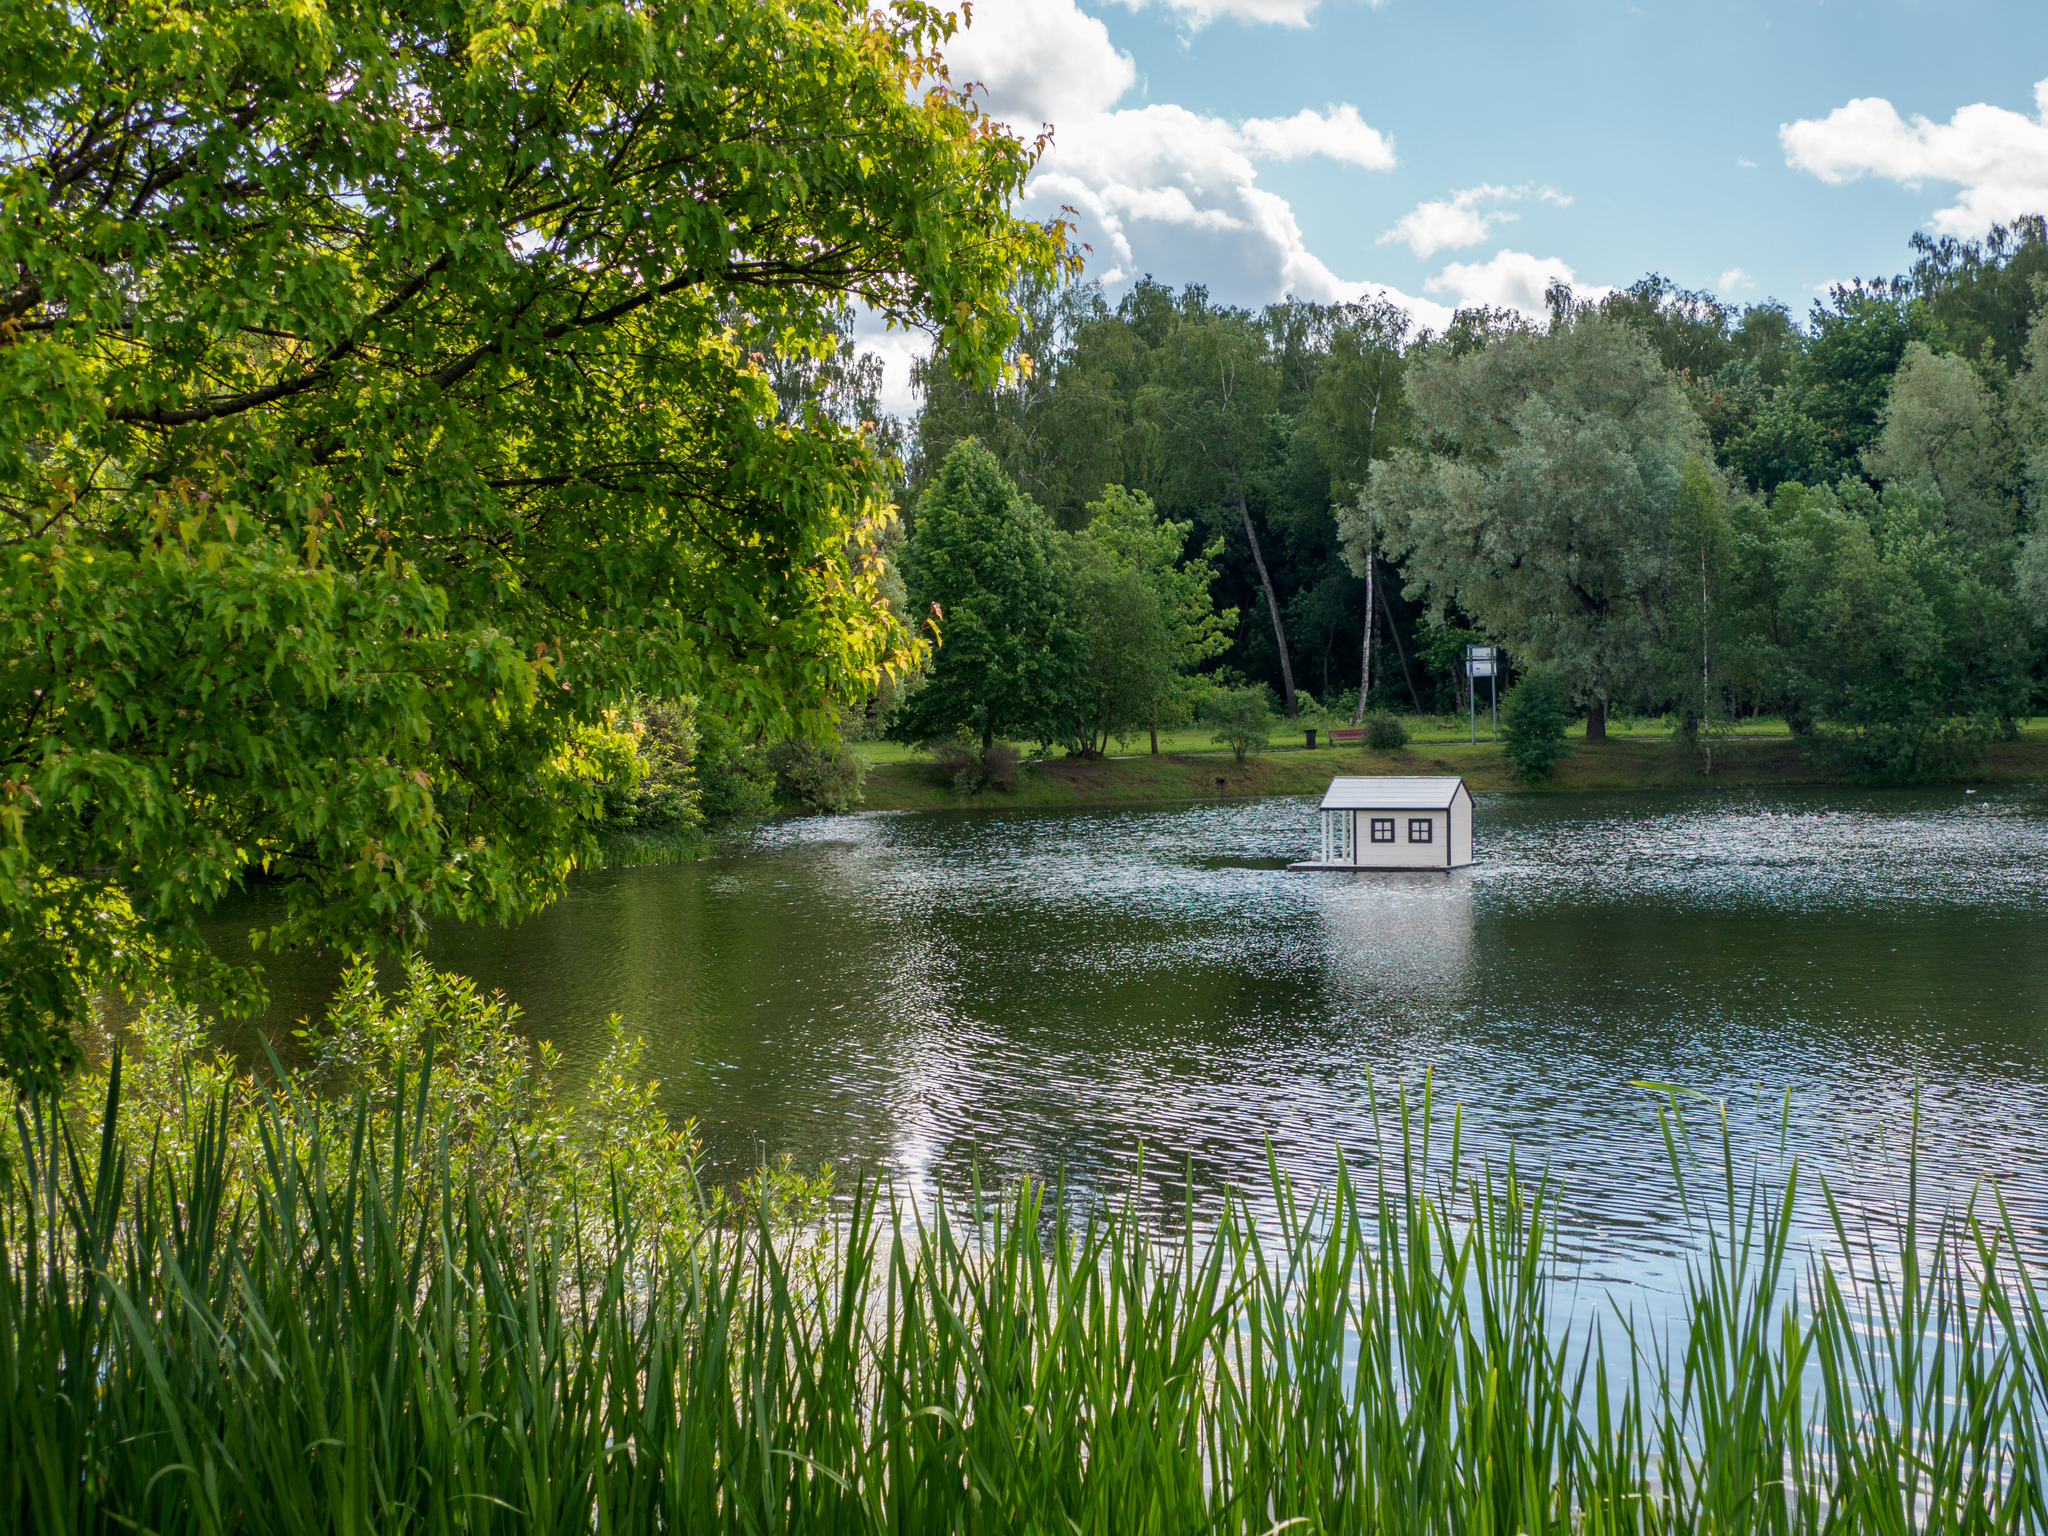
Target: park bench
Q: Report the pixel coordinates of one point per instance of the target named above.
(1347, 733)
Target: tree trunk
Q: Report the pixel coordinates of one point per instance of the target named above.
(1596, 720)
(1155, 738)
(988, 732)
(1365, 665)
(1272, 598)
(1706, 681)
(1401, 651)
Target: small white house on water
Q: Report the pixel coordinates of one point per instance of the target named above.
(1395, 822)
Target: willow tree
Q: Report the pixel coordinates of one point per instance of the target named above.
(1946, 437)
(372, 421)
(1547, 505)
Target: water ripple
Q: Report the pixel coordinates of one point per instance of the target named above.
(1059, 994)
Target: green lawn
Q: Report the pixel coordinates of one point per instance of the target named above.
(1639, 759)
(1425, 730)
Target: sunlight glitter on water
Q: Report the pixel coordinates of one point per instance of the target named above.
(1051, 993)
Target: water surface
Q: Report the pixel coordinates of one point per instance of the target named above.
(1053, 993)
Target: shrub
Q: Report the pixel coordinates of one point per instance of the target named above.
(665, 798)
(1001, 766)
(974, 770)
(1926, 747)
(736, 787)
(1533, 717)
(827, 777)
(508, 1119)
(1240, 718)
(1384, 732)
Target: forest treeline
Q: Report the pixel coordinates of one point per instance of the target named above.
(1670, 504)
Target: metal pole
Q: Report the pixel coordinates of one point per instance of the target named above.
(1493, 691)
(1472, 698)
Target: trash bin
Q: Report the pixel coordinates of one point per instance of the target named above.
(1310, 732)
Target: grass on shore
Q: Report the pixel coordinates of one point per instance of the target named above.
(1421, 729)
(352, 1352)
(1623, 761)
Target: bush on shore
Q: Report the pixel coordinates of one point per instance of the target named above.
(1533, 717)
(825, 777)
(1384, 732)
(973, 768)
(507, 1118)
(1239, 718)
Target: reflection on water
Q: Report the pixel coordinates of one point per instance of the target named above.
(1050, 993)
(1396, 938)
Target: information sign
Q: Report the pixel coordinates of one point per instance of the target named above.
(1483, 661)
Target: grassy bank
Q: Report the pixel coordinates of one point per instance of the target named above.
(352, 1350)
(1621, 762)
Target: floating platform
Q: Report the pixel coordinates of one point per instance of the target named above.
(1394, 822)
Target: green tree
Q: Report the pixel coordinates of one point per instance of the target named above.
(1708, 656)
(372, 422)
(983, 561)
(1441, 650)
(1124, 671)
(1126, 396)
(1145, 611)
(1907, 649)
(1212, 396)
(1858, 337)
(2028, 421)
(1357, 412)
(1688, 329)
(1945, 436)
(1533, 717)
(1984, 295)
(1053, 419)
(1763, 433)
(1767, 339)
(1546, 512)
(661, 795)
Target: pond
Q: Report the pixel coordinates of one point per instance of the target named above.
(1059, 993)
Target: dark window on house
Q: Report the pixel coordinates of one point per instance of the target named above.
(1383, 829)
(1420, 829)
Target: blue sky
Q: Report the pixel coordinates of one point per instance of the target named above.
(1266, 146)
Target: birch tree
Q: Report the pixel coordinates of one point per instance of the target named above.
(1213, 395)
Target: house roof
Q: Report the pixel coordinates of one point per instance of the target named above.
(1391, 792)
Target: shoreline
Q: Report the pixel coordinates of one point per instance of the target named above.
(1622, 763)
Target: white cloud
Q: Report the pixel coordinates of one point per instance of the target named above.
(1512, 280)
(1459, 220)
(1744, 165)
(899, 350)
(1043, 61)
(1199, 13)
(1162, 190)
(1998, 157)
(1734, 280)
(1156, 189)
(1341, 135)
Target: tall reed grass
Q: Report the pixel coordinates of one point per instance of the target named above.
(355, 1345)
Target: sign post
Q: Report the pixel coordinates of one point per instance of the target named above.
(1482, 661)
